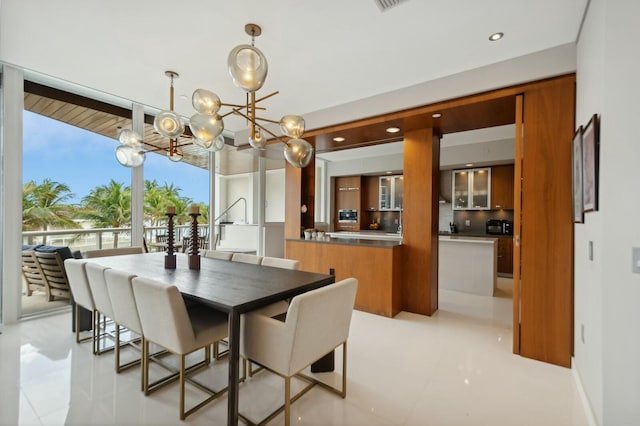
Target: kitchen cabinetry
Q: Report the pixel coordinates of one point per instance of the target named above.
(505, 255)
(347, 196)
(472, 189)
(391, 192)
(370, 197)
(502, 187)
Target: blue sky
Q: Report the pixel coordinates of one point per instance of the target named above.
(84, 160)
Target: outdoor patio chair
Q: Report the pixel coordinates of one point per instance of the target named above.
(51, 260)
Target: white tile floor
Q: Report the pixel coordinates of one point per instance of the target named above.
(454, 368)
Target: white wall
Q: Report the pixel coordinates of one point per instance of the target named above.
(275, 195)
(607, 294)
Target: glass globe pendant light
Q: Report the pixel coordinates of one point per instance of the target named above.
(248, 66)
(130, 153)
(174, 153)
(298, 152)
(248, 69)
(218, 144)
(168, 123)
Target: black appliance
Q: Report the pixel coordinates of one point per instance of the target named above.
(494, 226)
(347, 215)
(507, 227)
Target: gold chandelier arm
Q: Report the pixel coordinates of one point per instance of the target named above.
(271, 133)
(268, 120)
(232, 105)
(267, 96)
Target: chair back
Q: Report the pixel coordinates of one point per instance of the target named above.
(98, 285)
(52, 265)
(278, 262)
(215, 254)
(163, 314)
(77, 275)
(113, 252)
(319, 321)
(125, 311)
(32, 272)
(246, 258)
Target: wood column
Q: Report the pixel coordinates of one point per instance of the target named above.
(300, 189)
(546, 292)
(292, 201)
(420, 217)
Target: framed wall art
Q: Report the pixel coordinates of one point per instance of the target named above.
(576, 159)
(590, 160)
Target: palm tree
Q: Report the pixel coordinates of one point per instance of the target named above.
(108, 206)
(43, 206)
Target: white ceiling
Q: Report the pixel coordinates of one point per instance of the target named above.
(321, 54)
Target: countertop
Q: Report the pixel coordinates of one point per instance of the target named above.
(467, 239)
(366, 235)
(463, 234)
(351, 242)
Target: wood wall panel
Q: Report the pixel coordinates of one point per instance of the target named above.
(420, 219)
(378, 271)
(547, 230)
(293, 201)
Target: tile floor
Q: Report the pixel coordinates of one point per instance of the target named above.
(454, 368)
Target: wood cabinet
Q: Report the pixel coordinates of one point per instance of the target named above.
(505, 255)
(502, 187)
(348, 196)
(378, 269)
(370, 199)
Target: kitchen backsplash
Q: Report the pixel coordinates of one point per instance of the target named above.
(475, 221)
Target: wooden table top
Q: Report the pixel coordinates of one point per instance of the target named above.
(222, 284)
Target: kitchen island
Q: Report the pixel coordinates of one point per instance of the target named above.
(375, 263)
(468, 264)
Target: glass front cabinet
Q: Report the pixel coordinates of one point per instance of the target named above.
(472, 189)
(391, 192)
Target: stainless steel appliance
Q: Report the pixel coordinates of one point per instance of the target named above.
(494, 226)
(507, 227)
(347, 215)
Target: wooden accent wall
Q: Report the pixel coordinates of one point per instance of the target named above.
(420, 218)
(546, 293)
(293, 201)
(377, 269)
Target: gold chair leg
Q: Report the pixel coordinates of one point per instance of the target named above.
(145, 370)
(117, 348)
(287, 401)
(182, 362)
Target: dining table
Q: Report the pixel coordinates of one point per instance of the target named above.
(231, 287)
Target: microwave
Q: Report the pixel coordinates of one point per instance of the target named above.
(347, 216)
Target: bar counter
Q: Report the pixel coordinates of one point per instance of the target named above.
(350, 241)
(375, 263)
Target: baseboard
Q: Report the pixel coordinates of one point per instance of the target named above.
(588, 411)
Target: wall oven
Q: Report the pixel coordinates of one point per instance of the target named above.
(347, 216)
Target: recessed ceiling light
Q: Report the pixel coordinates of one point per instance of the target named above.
(436, 115)
(496, 36)
(184, 97)
(468, 164)
(393, 130)
(338, 139)
(389, 172)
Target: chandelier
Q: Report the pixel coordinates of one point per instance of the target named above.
(248, 69)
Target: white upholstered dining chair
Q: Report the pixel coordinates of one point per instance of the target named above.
(167, 322)
(246, 258)
(102, 301)
(113, 252)
(278, 262)
(79, 284)
(317, 322)
(217, 254)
